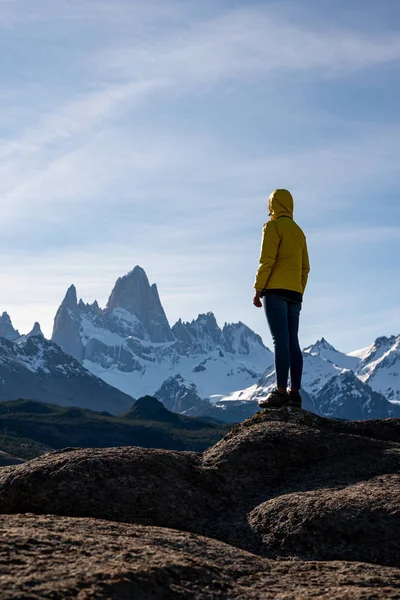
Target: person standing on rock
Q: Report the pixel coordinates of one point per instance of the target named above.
(280, 283)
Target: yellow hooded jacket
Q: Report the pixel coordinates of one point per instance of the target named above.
(284, 262)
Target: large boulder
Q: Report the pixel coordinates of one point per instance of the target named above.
(130, 484)
(339, 522)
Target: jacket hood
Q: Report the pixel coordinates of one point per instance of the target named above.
(280, 204)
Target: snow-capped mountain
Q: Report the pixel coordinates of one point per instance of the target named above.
(179, 395)
(131, 345)
(196, 367)
(379, 366)
(345, 396)
(37, 369)
(327, 352)
(353, 386)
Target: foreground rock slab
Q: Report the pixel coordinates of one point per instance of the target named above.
(284, 484)
(63, 558)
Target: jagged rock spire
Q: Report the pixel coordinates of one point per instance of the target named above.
(6, 328)
(36, 331)
(66, 330)
(71, 299)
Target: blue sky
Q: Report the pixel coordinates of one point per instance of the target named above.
(152, 133)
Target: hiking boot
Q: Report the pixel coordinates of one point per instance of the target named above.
(294, 399)
(274, 400)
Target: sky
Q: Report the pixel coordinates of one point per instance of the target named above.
(152, 132)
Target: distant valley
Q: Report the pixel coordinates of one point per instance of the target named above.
(30, 428)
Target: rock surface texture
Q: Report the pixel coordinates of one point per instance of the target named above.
(63, 557)
(280, 491)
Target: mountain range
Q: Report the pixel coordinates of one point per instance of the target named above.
(35, 368)
(101, 358)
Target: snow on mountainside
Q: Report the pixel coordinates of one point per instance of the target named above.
(380, 367)
(344, 385)
(326, 351)
(345, 396)
(317, 371)
(180, 396)
(130, 344)
(37, 369)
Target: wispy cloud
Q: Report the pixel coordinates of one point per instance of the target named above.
(144, 170)
(251, 42)
(79, 116)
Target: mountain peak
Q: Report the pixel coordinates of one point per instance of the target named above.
(383, 340)
(180, 395)
(320, 346)
(66, 330)
(6, 328)
(325, 344)
(36, 331)
(136, 272)
(130, 292)
(202, 334)
(133, 293)
(71, 298)
(151, 409)
(207, 319)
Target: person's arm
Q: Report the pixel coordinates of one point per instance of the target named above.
(305, 267)
(269, 250)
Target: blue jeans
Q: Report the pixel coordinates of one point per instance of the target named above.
(283, 320)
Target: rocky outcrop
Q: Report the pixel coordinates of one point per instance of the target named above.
(6, 328)
(283, 484)
(62, 557)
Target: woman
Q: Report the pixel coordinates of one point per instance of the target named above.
(280, 281)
